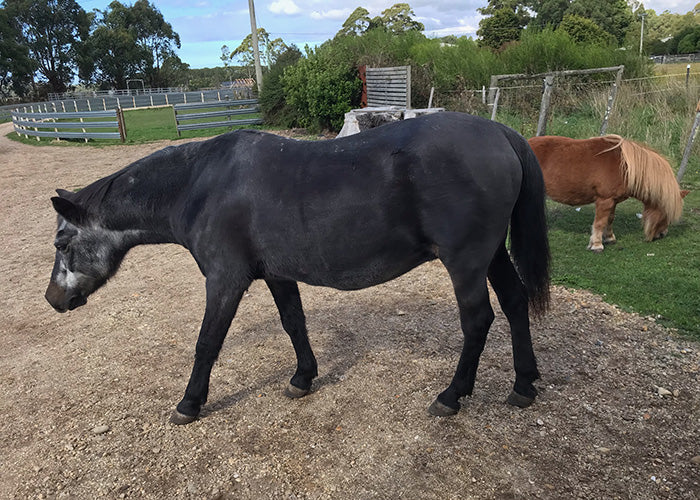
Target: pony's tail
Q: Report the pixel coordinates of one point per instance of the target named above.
(529, 247)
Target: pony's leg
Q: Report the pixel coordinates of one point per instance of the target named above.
(608, 234)
(476, 316)
(288, 300)
(222, 303)
(513, 299)
(602, 210)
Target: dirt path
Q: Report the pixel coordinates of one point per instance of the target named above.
(86, 395)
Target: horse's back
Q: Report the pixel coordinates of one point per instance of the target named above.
(579, 171)
(359, 210)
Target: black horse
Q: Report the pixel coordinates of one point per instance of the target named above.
(347, 213)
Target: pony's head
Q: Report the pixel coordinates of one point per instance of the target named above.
(87, 255)
(656, 220)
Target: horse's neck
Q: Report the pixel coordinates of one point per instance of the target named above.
(140, 204)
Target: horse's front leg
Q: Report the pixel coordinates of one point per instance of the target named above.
(288, 300)
(602, 212)
(222, 303)
(608, 234)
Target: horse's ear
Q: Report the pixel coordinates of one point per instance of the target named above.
(75, 214)
(65, 194)
(684, 193)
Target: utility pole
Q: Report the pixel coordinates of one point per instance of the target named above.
(256, 47)
(641, 35)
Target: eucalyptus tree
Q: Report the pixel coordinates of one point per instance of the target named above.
(16, 67)
(54, 31)
(133, 42)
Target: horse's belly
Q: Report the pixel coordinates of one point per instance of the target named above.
(352, 272)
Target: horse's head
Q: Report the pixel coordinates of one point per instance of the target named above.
(86, 254)
(656, 220)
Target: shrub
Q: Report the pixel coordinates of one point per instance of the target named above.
(272, 97)
(320, 90)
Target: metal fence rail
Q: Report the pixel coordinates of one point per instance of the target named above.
(204, 118)
(106, 101)
(54, 124)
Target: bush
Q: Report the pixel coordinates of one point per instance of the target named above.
(320, 90)
(324, 85)
(272, 97)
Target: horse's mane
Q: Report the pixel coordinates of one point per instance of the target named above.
(91, 196)
(649, 176)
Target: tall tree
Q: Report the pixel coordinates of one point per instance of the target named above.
(133, 42)
(398, 19)
(54, 31)
(549, 12)
(583, 30)
(15, 66)
(116, 55)
(614, 16)
(157, 39)
(269, 49)
(504, 21)
(357, 23)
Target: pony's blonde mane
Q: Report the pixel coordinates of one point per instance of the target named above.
(649, 176)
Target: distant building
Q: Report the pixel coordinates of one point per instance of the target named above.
(239, 83)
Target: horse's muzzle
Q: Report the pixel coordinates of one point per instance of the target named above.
(60, 300)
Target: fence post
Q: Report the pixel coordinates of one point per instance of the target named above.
(179, 134)
(544, 106)
(495, 104)
(120, 124)
(689, 145)
(611, 100)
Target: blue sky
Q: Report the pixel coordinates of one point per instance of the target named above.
(205, 26)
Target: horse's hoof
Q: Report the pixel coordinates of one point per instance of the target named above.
(293, 392)
(519, 400)
(438, 409)
(178, 418)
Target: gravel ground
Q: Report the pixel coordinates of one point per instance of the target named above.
(87, 394)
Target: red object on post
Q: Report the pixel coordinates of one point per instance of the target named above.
(362, 71)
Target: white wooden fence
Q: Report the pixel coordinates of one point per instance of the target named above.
(70, 125)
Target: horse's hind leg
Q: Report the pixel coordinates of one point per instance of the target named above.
(513, 299)
(288, 300)
(603, 206)
(476, 316)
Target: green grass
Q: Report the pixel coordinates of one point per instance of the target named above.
(659, 279)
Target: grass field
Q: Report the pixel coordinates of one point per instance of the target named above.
(659, 279)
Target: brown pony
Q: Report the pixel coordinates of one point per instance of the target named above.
(607, 170)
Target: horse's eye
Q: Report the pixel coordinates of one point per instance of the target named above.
(61, 246)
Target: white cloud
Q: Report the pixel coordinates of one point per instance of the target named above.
(334, 14)
(465, 26)
(287, 7)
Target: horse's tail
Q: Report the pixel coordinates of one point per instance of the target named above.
(529, 244)
(650, 178)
